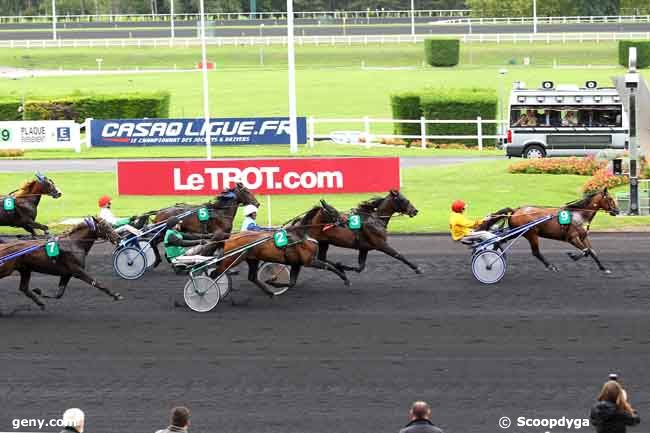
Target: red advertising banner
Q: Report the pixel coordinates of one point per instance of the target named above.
(262, 176)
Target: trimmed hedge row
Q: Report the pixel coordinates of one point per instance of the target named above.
(442, 52)
(452, 104)
(78, 108)
(642, 53)
(10, 110)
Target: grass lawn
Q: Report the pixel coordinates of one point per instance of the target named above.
(309, 56)
(430, 189)
(320, 149)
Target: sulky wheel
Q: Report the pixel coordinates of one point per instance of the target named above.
(488, 266)
(147, 250)
(201, 294)
(275, 277)
(129, 263)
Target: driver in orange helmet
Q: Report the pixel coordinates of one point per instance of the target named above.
(462, 228)
(120, 224)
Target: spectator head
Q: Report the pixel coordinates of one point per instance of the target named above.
(74, 418)
(613, 392)
(420, 410)
(180, 417)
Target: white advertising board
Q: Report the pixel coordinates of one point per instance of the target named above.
(40, 134)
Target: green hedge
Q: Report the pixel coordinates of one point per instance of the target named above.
(642, 53)
(442, 52)
(9, 110)
(406, 106)
(452, 104)
(127, 106)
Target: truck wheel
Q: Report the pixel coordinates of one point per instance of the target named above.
(534, 151)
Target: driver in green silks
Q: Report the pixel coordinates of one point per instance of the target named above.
(191, 246)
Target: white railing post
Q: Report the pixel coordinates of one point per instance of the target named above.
(366, 130)
(89, 141)
(312, 131)
(479, 132)
(423, 132)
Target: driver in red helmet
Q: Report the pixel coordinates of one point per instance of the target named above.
(120, 224)
(462, 228)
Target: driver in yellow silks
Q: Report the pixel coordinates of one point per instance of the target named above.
(462, 228)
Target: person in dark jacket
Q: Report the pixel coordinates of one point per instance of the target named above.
(179, 421)
(612, 413)
(420, 415)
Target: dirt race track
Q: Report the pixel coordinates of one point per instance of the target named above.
(325, 358)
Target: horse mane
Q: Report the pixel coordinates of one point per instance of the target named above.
(369, 205)
(581, 203)
(24, 189)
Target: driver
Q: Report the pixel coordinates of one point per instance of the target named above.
(121, 225)
(250, 220)
(188, 245)
(462, 228)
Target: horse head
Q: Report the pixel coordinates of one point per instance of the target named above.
(102, 229)
(603, 200)
(46, 186)
(401, 204)
(243, 195)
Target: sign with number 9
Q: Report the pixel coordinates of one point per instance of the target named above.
(5, 134)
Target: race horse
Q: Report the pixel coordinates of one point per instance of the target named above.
(222, 212)
(582, 214)
(25, 204)
(301, 251)
(74, 246)
(375, 215)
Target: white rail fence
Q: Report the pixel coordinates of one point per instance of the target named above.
(547, 38)
(369, 138)
(238, 16)
(603, 19)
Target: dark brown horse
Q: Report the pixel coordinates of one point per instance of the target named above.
(26, 200)
(222, 212)
(74, 246)
(301, 251)
(375, 216)
(576, 233)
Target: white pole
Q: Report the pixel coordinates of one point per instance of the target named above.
(534, 16)
(293, 130)
(268, 210)
(413, 19)
(54, 20)
(206, 106)
(171, 18)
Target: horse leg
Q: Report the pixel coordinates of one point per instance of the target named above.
(28, 228)
(25, 276)
(319, 264)
(63, 284)
(533, 240)
(387, 249)
(35, 225)
(154, 246)
(253, 266)
(83, 276)
(589, 251)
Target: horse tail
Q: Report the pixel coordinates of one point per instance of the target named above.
(502, 215)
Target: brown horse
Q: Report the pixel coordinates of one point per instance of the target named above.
(73, 249)
(222, 212)
(26, 200)
(375, 216)
(582, 214)
(301, 251)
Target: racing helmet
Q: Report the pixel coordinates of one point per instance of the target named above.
(249, 209)
(104, 200)
(458, 206)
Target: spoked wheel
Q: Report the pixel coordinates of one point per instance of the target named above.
(275, 276)
(201, 294)
(147, 250)
(130, 263)
(489, 266)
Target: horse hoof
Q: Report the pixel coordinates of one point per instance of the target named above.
(37, 291)
(347, 283)
(418, 271)
(552, 268)
(118, 297)
(41, 306)
(607, 271)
